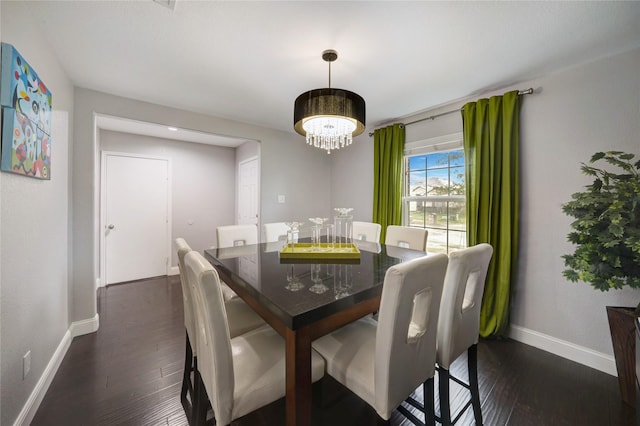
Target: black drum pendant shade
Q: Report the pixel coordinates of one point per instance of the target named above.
(329, 117)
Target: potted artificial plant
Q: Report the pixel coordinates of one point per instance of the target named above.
(606, 232)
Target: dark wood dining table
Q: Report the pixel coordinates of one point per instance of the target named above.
(306, 299)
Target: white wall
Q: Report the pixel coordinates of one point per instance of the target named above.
(203, 184)
(246, 151)
(576, 112)
(288, 167)
(34, 235)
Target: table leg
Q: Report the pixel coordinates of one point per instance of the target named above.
(298, 360)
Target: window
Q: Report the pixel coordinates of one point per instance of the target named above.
(434, 198)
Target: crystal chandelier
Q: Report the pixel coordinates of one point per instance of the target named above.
(329, 118)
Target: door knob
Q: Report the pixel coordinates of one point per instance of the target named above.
(111, 226)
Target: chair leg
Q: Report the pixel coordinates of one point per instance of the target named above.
(429, 409)
(201, 401)
(443, 387)
(187, 384)
(188, 362)
(472, 361)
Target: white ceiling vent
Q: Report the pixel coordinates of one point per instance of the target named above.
(171, 4)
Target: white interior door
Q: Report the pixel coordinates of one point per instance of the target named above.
(248, 183)
(136, 218)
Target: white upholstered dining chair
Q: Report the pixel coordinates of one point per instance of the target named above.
(241, 320)
(190, 361)
(236, 235)
(275, 231)
(384, 361)
(459, 320)
(366, 231)
(406, 237)
(235, 375)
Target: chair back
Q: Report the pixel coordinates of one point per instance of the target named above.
(406, 331)
(459, 321)
(215, 359)
(275, 231)
(366, 231)
(236, 235)
(182, 248)
(406, 236)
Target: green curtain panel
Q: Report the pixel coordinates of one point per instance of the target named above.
(491, 129)
(388, 154)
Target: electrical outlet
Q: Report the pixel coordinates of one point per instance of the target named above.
(26, 364)
(281, 199)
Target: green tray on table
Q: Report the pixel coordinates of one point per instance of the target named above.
(304, 252)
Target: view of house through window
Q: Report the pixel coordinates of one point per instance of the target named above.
(434, 198)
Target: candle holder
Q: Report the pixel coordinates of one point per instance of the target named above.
(317, 232)
(343, 229)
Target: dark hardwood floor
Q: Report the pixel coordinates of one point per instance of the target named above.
(129, 373)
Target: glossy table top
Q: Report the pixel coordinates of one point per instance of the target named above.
(323, 288)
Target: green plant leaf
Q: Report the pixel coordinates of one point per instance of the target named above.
(606, 226)
(626, 156)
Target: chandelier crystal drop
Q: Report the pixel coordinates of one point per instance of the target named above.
(329, 118)
(329, 132)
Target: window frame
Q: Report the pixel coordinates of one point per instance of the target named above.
(442, 144)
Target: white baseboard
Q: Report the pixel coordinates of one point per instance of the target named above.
(80, 328)
(33, 402)
(585, 356)
(173, 270)
(77, 328)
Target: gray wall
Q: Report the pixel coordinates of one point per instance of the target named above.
(203, 184)
(579, 111)
(298, 178)
(352, 177)
(34, 235)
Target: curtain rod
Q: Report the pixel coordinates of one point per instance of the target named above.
(529, 91)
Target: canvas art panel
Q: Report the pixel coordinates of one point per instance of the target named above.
(26, 117)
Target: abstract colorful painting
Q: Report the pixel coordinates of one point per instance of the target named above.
(26, 117)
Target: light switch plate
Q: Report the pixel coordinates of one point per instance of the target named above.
(281, 199)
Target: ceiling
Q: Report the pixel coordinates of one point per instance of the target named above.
(248, 61)
(125, 125)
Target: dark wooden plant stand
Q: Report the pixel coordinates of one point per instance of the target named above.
(623, 337)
